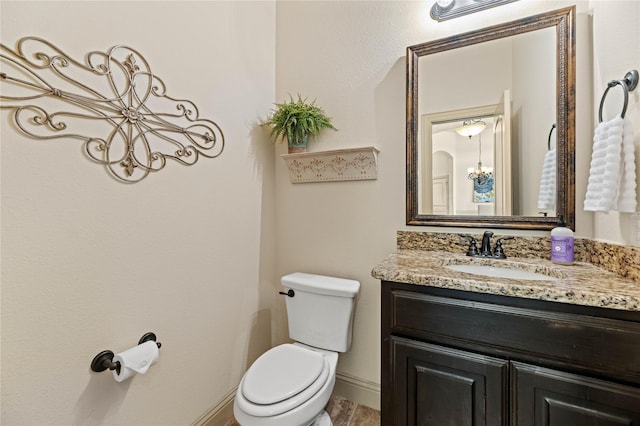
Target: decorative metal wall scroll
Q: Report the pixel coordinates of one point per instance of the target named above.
(113, 102)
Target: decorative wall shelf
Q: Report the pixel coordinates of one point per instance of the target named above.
(336, 165)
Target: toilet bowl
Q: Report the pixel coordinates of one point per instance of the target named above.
(290, 384)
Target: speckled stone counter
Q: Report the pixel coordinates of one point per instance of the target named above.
(422, 258)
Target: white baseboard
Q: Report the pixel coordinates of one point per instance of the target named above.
(220, 414)
(353, 388)
(357, 390)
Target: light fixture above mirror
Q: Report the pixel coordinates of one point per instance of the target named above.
(448, 9)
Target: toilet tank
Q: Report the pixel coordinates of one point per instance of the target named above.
(321, 311)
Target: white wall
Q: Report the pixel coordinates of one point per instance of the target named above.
(91, 264)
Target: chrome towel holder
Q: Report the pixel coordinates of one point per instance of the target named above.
(628, 84)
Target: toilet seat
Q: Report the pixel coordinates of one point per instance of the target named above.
(282, 379)
(281, 373)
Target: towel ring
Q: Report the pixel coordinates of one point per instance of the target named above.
(553, 126)
(628, 84)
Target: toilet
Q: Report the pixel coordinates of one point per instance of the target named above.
(290, 384)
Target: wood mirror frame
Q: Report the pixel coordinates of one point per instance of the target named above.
(564, 22)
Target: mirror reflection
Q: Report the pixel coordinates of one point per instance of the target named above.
(481, 106)
(525, 96)
(462, 170)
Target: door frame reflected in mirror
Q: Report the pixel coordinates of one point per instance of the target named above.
(495, 151)
(563, 20)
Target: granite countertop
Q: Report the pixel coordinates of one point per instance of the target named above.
(580, 283)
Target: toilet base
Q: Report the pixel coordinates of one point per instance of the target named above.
(322, 420)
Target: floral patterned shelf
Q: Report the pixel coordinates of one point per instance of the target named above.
(336, 165)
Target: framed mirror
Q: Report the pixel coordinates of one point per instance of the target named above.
(491, 126)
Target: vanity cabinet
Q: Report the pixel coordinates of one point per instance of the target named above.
(459, 358)
(444, 386)
(544, 396)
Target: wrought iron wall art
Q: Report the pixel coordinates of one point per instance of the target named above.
(113, 102)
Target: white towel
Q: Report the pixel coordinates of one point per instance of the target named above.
(626, 201)
(612, 176)
(547, 192)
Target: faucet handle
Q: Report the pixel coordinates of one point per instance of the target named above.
(501, 239)
(499, 252)
(473, 245)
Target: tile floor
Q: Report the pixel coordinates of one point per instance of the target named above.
(345, 413)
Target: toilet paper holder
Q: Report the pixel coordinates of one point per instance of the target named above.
(104, 360)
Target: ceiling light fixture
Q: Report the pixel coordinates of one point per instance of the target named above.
(480, 174)
(471, 127)
(448, 9)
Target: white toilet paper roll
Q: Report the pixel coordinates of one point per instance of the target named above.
(136, 360)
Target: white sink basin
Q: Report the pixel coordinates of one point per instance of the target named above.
(497, 272)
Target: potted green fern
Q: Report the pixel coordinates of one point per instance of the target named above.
(296, 120)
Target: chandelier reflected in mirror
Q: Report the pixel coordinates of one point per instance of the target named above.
(470, 128)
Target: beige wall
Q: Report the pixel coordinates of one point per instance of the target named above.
(533, 114)
(616, 41)
(192, 253)
(91, 264)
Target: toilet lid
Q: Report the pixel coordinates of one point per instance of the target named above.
(280, 373)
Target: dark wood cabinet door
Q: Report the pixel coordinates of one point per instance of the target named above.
(545, 397)
(438, 386)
